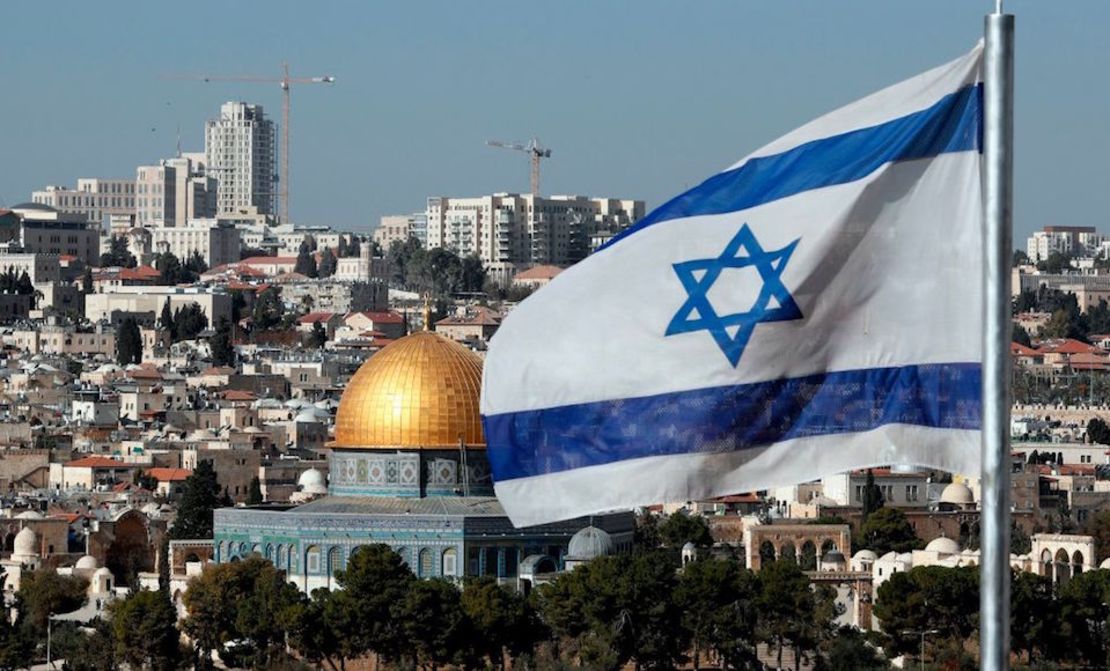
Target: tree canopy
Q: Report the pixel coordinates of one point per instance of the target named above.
(887, 530)
(118, 254)
(129, 343)
(200, 495)
(438, 271)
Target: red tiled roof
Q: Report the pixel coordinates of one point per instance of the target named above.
(482, 317)
(538, 273)
(1067, 346)
(313, 317)
(262, 260)
(389, 317)
(97, 462)
(169, 474)
(239, 395)
(218, 370)
(139, 273)
(1017, 349)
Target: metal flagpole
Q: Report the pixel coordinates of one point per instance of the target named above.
(998, 168)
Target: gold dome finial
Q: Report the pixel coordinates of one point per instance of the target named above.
(427, 311)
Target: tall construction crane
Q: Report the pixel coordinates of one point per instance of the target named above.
(286, 82)
(534, 150)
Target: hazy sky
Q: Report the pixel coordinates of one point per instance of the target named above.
(637, 99)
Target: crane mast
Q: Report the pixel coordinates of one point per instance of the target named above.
(286, 82)
(535, 151)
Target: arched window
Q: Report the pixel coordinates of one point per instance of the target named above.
(280, 559)
(335, 560)
(1077, 563)
(809, 556)
(766, 552)
(827, 547)
(269, 552)
(402, 553)
(788, 552)
(450, 562)
(425, 564)
(312, 560)
(1063, 566)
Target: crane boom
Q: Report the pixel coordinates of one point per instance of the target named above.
(285, 81)
(535, 151)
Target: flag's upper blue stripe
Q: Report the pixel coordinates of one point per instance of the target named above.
(725, 419)
(953, 124)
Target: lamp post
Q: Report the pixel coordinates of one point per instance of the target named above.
(922, 633)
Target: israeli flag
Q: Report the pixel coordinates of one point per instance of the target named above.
(812, 309)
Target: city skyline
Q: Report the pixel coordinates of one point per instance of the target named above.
(416, 99)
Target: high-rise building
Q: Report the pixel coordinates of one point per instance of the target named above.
(94, 198)
(239, 152)
(173, 192)
(510, 232)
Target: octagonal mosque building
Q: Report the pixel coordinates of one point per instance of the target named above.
(407, 468)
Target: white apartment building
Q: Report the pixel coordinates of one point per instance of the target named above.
(173, 192)
(239, 151)
(217, 242)
(1070, 240)
(94, 198)
(511, 231)
(132, 300)
(400, 227)
(39, 267)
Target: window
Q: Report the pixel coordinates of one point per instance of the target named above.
(911, 492)
(450, 562)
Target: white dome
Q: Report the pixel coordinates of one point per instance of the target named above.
(865, 555)
(957, 493)
(102, 571)
(1105, 563)
(305, 416)
(590, 543)
(312, 481)
(86, 562)
(29, 515)
(943, 545)
(26, 542)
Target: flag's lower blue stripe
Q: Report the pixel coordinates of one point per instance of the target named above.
(952, 124)
(720, 419)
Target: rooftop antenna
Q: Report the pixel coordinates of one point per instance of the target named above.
(179, 140)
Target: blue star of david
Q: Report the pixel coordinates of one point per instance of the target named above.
(698, 277)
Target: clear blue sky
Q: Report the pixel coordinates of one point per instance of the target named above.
(637, 99)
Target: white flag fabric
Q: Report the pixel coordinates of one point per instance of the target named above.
(812, 309)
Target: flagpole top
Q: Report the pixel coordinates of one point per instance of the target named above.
(997, 6)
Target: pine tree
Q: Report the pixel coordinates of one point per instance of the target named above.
(166, 322)
(319, 335)
(87, 281)
(254, 495)
(306, 264)
(164, 565)
(328, 263)
(872, 496)
(223, 352)
(129, 343)
(199, 497)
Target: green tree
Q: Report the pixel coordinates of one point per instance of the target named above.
(436, 630)
(850, 650)
(306, 264)
(45, 593)
(319, 336)
(248, 604)
(1021, 336)
(717, 600)
(616, 609)
(328, 263)
(927, 598)
(165, 320)
(145, 631)
(164, 564)
(502, 621)
(887, 530)
(87, 280)
(791, 613)
(374, 586)
(1056, 263)
(199, 497)
(646, 534)
(93, 649)
(321, 632)
(129, 343)
(1098, 526)
(872, 496)
(1020, 258)
(118, 254)
(1034, 615)
(681, 527)
(1085, 611)
(189, 321)
(269, 310)
(254, 495)
(223, 352)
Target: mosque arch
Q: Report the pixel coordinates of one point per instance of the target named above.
(788, 552)
(335, 560)
(828, 546)
(312, 560)
(279, 556)
(766, 552)
(425, 566)
(1063, 566)
(809, 556)
(9, 543)
(269, 552)
(222, 551)
(256, 549)
(1077, 563)
(243, 549)
(192, 557)
(403, 553)
(449, 562)
(490, 554)
(1046, 563)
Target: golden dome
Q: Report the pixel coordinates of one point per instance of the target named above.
(419, 392)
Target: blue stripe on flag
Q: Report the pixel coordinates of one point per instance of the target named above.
(725, 419)
(951, 125)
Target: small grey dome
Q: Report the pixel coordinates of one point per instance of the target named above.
(312, 481)
(590, 543)
(26, 542)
